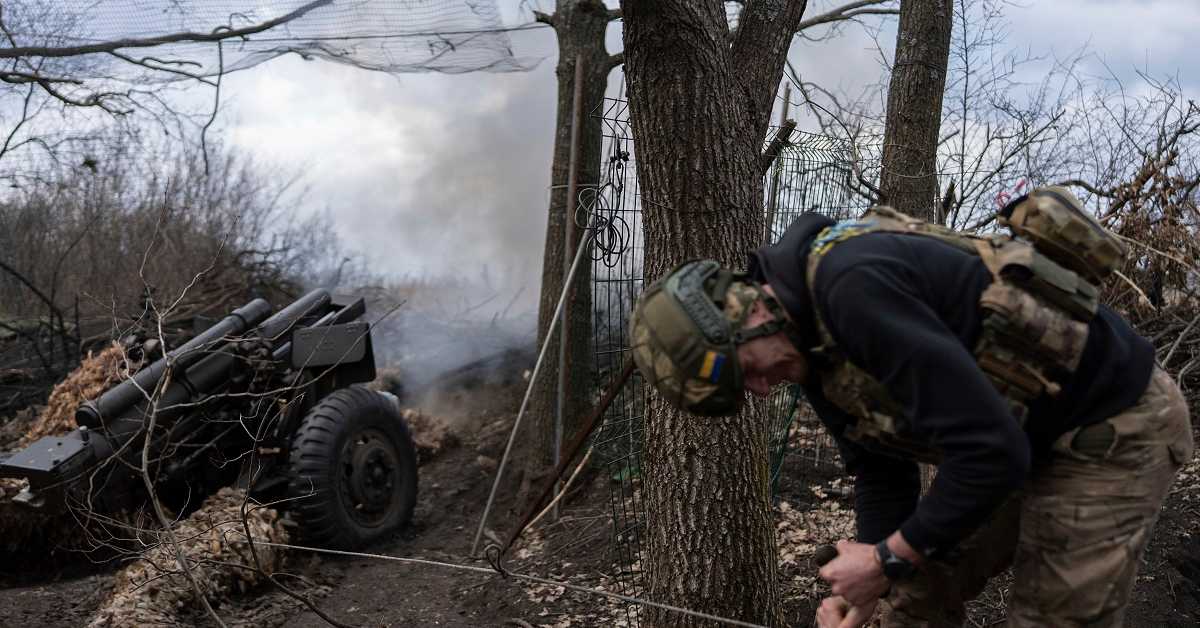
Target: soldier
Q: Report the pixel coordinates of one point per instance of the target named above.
(1054, 432)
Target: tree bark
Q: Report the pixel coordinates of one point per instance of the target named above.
(700, 109)
(579, 26)
(914, 110)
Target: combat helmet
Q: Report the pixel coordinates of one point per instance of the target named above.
(685, 331)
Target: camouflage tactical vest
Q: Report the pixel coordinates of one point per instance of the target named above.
(1035, 314)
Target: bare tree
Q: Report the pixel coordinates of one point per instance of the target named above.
(70, 251)
(909, 176)
(46, 72)
(579, 26)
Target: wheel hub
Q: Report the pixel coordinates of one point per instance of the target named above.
(371, 476)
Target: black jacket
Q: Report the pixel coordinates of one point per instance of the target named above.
(905, 309)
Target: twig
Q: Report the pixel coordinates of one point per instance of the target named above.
(216, 103)
(1183, 334)
(1133, 285)
(163, 519)
(270, 576)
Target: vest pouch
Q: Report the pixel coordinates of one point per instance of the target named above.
(1057, 225)
(878, 417)
(1022, 321)
(1021, 264)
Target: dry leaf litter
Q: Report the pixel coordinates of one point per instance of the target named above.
(153, 591)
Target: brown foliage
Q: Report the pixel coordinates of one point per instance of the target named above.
(96, 373)
(152, 591)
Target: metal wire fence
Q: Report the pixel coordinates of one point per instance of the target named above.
(811, 175)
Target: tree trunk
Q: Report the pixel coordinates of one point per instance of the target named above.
(914, 110)
(579, 26)
(699, 108)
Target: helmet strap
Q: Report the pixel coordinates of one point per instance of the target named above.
(779, 322)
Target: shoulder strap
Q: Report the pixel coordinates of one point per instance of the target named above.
(879, 219)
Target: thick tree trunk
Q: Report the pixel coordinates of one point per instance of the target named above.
(699, 109)
(579, 26)
(914, 109)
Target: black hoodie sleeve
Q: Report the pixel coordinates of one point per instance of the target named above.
(884, 325)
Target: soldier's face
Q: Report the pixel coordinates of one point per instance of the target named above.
(769, 360)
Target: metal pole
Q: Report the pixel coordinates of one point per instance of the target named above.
(773, 199)
(569, 237)
(537, 367)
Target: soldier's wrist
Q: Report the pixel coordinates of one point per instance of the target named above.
(895, 568)
(900, 546)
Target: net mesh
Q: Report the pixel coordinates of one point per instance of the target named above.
(394, 36)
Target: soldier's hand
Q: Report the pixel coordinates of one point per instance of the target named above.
(856, 574)
(836, 612)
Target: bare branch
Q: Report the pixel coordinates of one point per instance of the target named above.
(782, 138)
(1080, 183)
(160, 65)
(848, 12)
(150, 42)
(614, 60)
(24, 78)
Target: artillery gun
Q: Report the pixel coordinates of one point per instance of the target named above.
(267, 402)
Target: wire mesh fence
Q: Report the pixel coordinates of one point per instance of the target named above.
(811, 175)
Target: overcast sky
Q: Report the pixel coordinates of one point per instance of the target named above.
(433, 174)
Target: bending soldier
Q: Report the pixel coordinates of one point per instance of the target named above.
(1055, 434)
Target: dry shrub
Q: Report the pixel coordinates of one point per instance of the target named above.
(154, 592)
(96, 374)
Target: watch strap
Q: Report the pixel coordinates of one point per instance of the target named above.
(894, 567)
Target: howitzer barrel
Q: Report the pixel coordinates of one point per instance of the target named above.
(283, 320)
(127, 394)
(208, 373)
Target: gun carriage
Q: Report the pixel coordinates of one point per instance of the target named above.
(270, 402)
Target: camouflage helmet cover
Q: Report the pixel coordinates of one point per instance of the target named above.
(685, 331)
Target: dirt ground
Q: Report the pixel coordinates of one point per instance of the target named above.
(577, 548)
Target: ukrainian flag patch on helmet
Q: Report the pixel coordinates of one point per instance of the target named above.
(711, 369)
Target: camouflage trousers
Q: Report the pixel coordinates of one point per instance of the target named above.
(1075, 534)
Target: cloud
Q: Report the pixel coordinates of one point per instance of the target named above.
(435, 175)
(425, 174)
(1157, 34)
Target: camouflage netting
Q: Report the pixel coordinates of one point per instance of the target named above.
(154, 592)
(96, 373)
(23, 529)
(395, 36)
(430, 434)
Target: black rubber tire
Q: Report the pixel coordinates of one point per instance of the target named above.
(353, 470)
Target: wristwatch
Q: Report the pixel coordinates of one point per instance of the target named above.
(894, 567)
